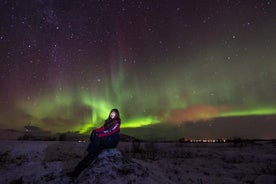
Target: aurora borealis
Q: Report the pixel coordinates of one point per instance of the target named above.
(65, 64)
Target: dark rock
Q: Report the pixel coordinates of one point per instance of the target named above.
(112, 167)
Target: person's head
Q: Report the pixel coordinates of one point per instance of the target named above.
(114, 114)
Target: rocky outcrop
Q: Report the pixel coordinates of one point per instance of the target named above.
(112, 167)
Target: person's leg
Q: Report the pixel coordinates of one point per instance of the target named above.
(109, 142)
(94, 148)
(93, 151)
(85, 162)
(94, 145)
(92, 135)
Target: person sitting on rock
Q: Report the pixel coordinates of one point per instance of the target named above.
(104, 137)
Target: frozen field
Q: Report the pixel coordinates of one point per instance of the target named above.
(47, 162)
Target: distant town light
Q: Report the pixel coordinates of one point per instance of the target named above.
(206, 140)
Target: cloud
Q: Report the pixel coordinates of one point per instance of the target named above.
(195, 113)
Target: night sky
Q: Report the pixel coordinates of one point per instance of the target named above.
(163, 63)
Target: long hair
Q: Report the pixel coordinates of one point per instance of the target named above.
(109, 121)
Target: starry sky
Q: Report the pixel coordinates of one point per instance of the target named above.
(164, 64)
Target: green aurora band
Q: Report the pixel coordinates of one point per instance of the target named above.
(62, 106)
(145, 94)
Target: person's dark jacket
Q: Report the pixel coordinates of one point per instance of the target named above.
(109, 128)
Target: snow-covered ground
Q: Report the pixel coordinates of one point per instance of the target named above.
(48, 162)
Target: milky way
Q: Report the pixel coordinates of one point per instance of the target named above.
(65, 64)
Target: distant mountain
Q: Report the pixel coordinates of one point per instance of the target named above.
(127, 138)
(10, 134)
(36, 133)
(30, 133)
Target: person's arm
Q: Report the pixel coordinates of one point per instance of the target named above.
(101, 129)
(111, 130)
